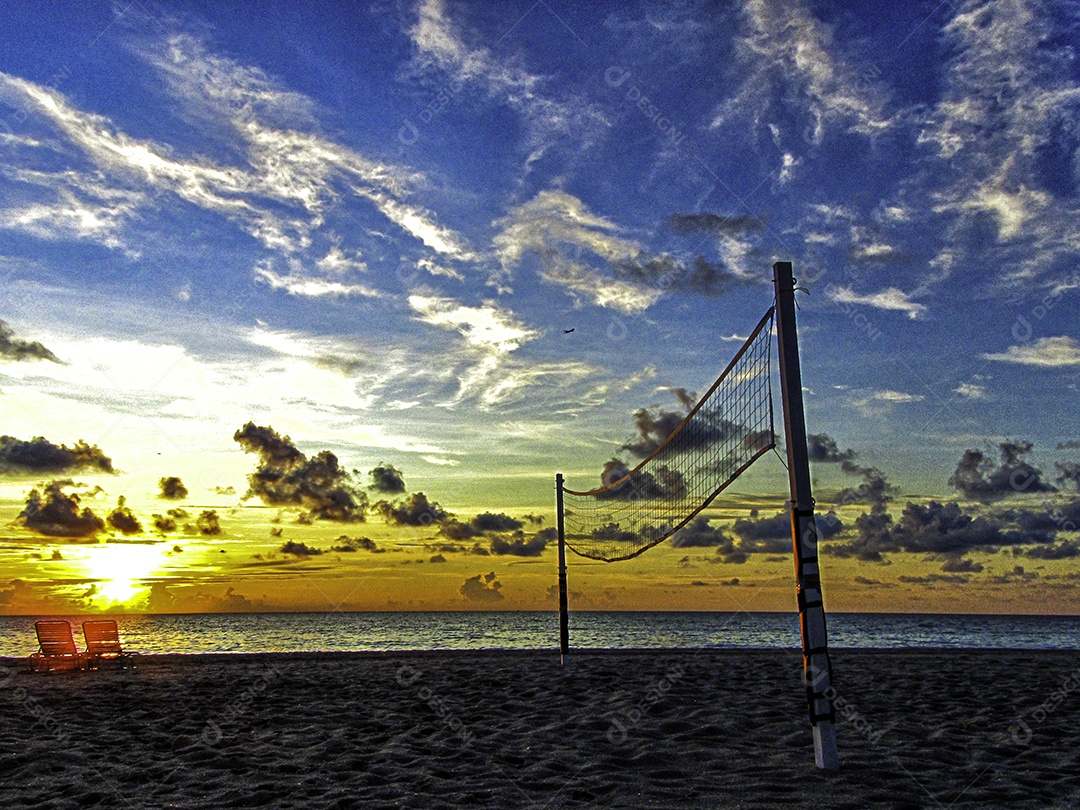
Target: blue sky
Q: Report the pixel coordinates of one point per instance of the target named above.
(369, 227)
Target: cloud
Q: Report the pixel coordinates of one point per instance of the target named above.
(415, 510)
(549, 119)
(13, 348)
(488, 328)
(56, 514)
(387, 478)
(1049, 352)
(714, 223)
(971, 391)
(791, 67)
(41, 455)
(946, 529)
(888, 299)
(663, 484)
(123, 519)
(976, 478)
(669, 274)
(1004, 137)
(481, 524)
(1068, 472)
(207, 523)
(164, 524)
(286, 477)
(350, 544)
(484, 588)
(299, 550)
(298, 284)
(822, 449)
(172, 488)
(520, 546)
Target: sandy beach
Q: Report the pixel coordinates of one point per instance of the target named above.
(649, 729)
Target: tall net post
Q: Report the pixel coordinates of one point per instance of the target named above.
(564, 609)
(817, 668)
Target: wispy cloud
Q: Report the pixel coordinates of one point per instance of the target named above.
(1049, 352)
(310, 287)
(888, 299)
(790, 58)
(549, 117)
(997, 135)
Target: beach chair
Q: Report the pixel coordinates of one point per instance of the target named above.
(103, 644)
(56, 647)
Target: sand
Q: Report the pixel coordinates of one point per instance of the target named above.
(682, 729)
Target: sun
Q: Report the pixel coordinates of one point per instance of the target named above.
(120, 570)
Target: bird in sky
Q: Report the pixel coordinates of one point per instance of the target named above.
(568, 331)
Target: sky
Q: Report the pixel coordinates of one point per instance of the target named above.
(464, 244)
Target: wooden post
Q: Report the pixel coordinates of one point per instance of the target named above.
(817, 669)
(564, 611)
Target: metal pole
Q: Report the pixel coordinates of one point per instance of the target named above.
(817, 668)
(564, 611)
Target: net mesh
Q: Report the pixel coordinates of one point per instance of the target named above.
(726, 431)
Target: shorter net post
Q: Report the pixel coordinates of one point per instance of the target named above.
(564, 604)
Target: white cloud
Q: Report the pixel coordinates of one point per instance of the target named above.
(1008, 91)
(787, 53)
(442, 45)
(310, 287)
(489, 328)
(970, 391)
(560, 230)
(1049, 352)
(889, 299)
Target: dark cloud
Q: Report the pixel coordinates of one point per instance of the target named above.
(482, 588)
(655, 425)
(348, 544)
(207, 523)
(1065, 550)
(172, 488)
(495, 522)
(976, 477)
(955, 564)
(953, 579)
(41, 455)
(520, 546)
(415, 510)
(14, 348)
(483, 523)
(295, 549)
(699, 275)
(178, 513)
(536, 520)
(123, 519)
(224, 490)
(714, 223)
(699, 534)
(57, 514)
(1068, 473)
(285, 476)
(664, 484)
(437, 558)
(164, 524)
(939, 529)
(874, 489)
(822, 449)
(1071, 444)
(773, 535)
(388, 479)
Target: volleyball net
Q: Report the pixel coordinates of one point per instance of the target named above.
(729, 428)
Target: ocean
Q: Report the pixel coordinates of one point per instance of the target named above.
(301, 632)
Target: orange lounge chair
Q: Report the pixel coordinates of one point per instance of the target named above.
(56, 647)
(103, 644)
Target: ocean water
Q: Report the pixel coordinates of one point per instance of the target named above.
(299, 632)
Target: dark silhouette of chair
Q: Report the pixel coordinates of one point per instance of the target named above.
(56, 647)
(103, 644)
